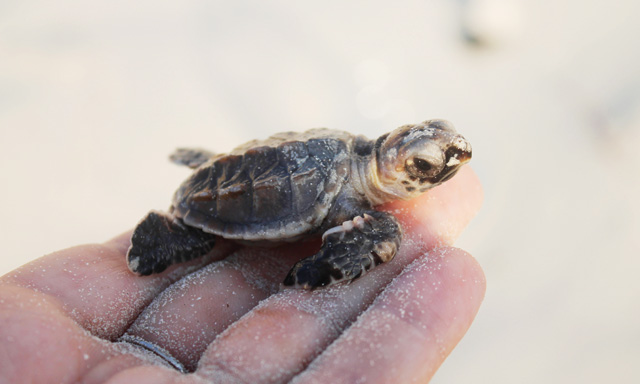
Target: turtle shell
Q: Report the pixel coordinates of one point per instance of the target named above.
(273, 189)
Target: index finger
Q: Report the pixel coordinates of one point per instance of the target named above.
(94, 285)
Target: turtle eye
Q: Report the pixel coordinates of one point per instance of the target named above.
(420, 168)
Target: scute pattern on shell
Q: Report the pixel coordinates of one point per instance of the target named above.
(273, 189)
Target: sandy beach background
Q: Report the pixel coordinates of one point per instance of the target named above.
(95, 95)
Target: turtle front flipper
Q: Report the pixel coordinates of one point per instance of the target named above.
(349, 251)
(191, 157)
(161, 240)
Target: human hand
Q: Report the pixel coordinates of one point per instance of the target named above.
(63, 316)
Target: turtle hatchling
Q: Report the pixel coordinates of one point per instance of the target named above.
(297, 185)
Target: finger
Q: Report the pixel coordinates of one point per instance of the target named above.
(29, 319)
(286, 331)
(143, 374)
(95, 287)
(37, 332)
(410, 329)
(440, 215)
(188, 315)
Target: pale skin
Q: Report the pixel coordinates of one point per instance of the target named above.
(228, 322)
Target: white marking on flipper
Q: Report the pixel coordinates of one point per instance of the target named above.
(357, 222)
(331, 231)
(134, 263)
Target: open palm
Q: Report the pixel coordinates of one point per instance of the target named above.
(79, 315)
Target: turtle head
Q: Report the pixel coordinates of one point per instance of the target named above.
(414, 158)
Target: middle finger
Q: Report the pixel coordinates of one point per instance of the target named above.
(188, 315)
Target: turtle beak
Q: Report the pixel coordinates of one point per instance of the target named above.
(464, 157)
(457, 155)
(459, 152)
(460, 149)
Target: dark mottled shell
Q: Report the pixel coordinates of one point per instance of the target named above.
(274, 189)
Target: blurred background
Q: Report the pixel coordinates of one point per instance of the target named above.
(95, 95)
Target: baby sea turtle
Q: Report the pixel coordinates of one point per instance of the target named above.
(295, 185)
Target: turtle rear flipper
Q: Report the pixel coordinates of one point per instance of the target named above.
(161, 240)
(191, 157)
(349, 251)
